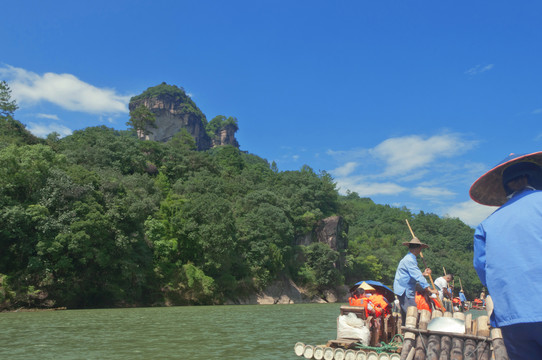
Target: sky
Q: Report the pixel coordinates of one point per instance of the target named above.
(405, 102)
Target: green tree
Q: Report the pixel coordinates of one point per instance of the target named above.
(319, 271)
(11, 130)
(141, 118)
(7, 106)
(103, 147)
(220, 122)
(265, 236)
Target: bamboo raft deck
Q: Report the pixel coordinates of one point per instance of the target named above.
(479, 341)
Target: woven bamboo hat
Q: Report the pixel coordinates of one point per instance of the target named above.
(366, 286)
(489, 189)
(416, 241)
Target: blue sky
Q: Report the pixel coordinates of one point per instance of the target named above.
(405, 102)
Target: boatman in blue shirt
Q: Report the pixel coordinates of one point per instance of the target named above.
(408, 274)
(462, 298)
(508, 249)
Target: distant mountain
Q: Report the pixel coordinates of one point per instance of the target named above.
(174, 111)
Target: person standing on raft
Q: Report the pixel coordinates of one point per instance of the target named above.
(507, 248)
(408, 274)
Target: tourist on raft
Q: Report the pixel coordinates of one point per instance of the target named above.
(444, 286)
(408, 274)
(365, 295)
(507, 248)
(424, 301)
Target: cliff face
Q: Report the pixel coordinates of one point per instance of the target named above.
(171, 117)
(226, 136)
(174, 111)
(331, 231)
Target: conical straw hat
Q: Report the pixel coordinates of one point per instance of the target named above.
(366, 286)
(489, 190)
(416, 241)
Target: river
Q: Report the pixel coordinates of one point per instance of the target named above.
(258, 332)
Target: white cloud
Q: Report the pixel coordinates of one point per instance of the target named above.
(478, 69)
(48, 116)
(470, 212)
(344, 170)
(42, 130)
(64, 90)
(406, 154)
(367, 189)
(431, 192)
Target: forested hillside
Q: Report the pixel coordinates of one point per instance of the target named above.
(100, 218)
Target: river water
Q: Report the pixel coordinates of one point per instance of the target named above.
(190, 332)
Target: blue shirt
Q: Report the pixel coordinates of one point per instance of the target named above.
(462, 297)
(407, 275)
(508, 259)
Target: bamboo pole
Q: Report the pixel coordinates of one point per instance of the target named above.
(445, 347)
(433, 348)
(447, 333)
(408, 345)
(457, 349)
(499, 350)
(469, 351)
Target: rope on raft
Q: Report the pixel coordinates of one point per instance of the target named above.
(392, 346)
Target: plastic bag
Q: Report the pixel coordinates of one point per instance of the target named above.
(351, 327)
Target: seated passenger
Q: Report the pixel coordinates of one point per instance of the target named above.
(424, 301)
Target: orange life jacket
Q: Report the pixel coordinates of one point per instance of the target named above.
(380, 305)
(421, 303)
(355, 301)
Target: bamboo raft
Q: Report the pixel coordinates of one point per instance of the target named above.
(478, 341)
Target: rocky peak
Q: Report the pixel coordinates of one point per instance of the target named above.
(174, 111)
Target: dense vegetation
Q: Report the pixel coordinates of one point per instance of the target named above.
(100, 218)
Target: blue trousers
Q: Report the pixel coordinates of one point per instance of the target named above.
(523, 341)
(405, 302)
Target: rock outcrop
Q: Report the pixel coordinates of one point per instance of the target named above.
(331, 231)
(174, 111)
(226, 136)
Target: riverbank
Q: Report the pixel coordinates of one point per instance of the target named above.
(285, 291)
